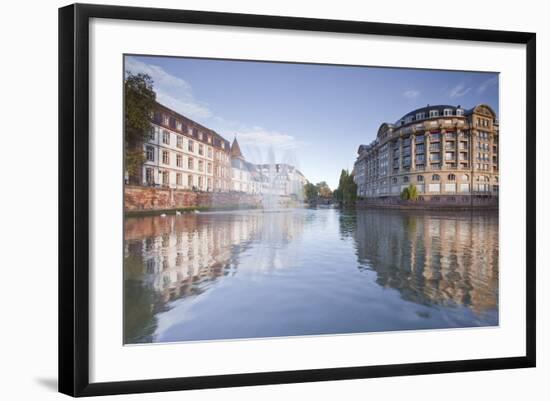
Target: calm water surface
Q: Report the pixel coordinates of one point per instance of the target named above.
(248, 274)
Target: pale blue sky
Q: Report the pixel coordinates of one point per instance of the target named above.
(312, 116)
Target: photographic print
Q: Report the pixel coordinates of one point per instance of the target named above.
(276, 199)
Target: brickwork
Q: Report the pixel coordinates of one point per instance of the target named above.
(138, 198)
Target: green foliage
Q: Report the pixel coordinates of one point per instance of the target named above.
(323, 190)
(139, 103)
(410, 193)
(347, 189)
(311, 192)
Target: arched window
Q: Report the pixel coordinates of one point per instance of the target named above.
(419, 178)
(405, 179)
(435, 177)
(465, 177)
(451, 177)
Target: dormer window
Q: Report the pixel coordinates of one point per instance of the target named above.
(459, 112)
(434, 113)
(408, 119)
(448, 112)
(420, 116)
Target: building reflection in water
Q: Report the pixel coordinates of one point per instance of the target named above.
(170, 258)
(249, 274)
(445, 259)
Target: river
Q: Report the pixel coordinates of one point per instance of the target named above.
(295, 272)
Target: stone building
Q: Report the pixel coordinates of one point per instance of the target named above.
(182, 154)
(447, 152)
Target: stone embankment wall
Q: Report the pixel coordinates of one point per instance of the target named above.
(146, 199)
(433, 202)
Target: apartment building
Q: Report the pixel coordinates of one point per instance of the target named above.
(443, 150)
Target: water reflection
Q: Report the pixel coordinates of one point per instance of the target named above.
(305, 271)
(431, 258)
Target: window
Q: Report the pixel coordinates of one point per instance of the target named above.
(201, 149)
(172, 122)
(179, 160)
(435, 177)
(450, 187)
(165, 137)
(149, 178)
(178, 179)
(209, 185)
(190, 146)
(201, 165)
(190, 181)
(209, 168)
(151, 135)
(434, 113)
(408, 119)
(210, 152)
(405, 179)
(190, 163)
(420, 178)
(447, 112)
(459, 112)
(200, 182)
(165, 177)
(150, 153)
(165, 157)
(420, 116)
(179, 141)
(165, 119)
(451, 177)
(394, 180)
(465, 177)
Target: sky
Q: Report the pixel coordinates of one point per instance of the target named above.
(311, 116)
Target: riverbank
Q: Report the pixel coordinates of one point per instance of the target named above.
(140, 200)
(432, 202)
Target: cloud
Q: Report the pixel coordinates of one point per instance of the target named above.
(259, 136)
(172, 91)
(487, 83)
(459, 91)
(411, 94)
(177, 94)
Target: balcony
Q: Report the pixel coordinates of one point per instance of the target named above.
(434, 148)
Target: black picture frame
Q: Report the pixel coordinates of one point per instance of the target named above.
(74, 201)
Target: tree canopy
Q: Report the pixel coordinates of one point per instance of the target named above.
(347, 188)
(139, 103)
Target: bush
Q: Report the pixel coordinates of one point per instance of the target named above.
(410, 193)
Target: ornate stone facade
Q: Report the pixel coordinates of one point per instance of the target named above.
(445, 151)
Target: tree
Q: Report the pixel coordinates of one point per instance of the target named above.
(347, 188)
(410, 193)
(139, 103)
(311, 192)
(324, 190)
